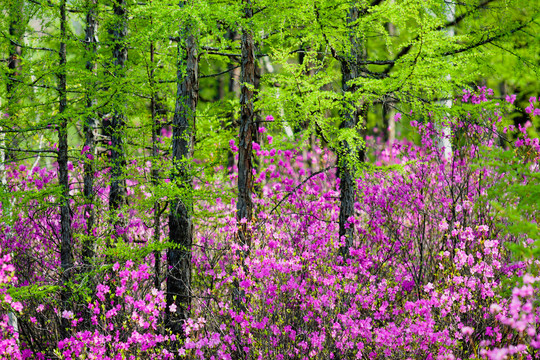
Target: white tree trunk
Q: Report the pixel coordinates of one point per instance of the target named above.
(444, 140)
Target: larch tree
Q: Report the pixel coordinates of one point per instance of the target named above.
(116, 125)
(90, 126)
(179, 284)
(66, 254)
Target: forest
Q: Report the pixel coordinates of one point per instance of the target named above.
(269, 180)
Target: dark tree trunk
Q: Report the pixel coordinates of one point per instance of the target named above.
(15, 50)
(244, 206)
(351, 117)
(118, 32)
(154, 105)
(247, 134)
(16, 30)
(180, 218)
(90, 128)
(66, 257)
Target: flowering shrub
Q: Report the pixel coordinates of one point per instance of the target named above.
(124, 321)
(9, 338)
(424, 277)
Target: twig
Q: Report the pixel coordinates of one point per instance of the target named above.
(300, 185)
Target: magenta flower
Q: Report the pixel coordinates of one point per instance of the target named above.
(511, 98)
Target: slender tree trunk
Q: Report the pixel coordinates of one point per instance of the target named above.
(309, 71)
(351, 117)
(15, 49)
(443, 140)
(155, 171)
(244, 206)
(247, 134)
(90, 128)
(389, 124)
(234, 88)
(118, 32)
(66, 257)
(180, 218)
(16, 31)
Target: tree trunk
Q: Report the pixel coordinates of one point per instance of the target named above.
(443, 142)
(15, 49)
(14, 61)
(118, 162)
(350, 71)
(180, 218)
(244, 206)
(66, 257)
(234, 88)
(157, 109)
(389, 124)
(90, 128)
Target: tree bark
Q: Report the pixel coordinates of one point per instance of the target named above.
(16, 31)
(66, 256)
(155, 171)
(90, 128)
(389, 124)
(443, 141)
(244, 206)
(350, 71)
(118, 32)
(234, 88)
(15, 50)
(180, 218)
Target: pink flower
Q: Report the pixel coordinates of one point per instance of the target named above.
(67, 314)
(467, 330)
(528, 279)
(443, 226)
(270, 139)
(269, 118)
(397, 117)
(17, 306)
(495, 308)
(511, 98)
(172, 307)
(233, 147)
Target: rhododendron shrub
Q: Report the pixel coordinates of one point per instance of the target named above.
(423, 279)
(125, 319)
(419, 282)
(9, 338)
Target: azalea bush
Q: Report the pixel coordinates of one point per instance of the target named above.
(432, 271)
(9, 346)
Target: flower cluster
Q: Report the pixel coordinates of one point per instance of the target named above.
(422, 277)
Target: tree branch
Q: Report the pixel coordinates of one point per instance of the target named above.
(300, 185)
(455, 22)
(486, 41)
